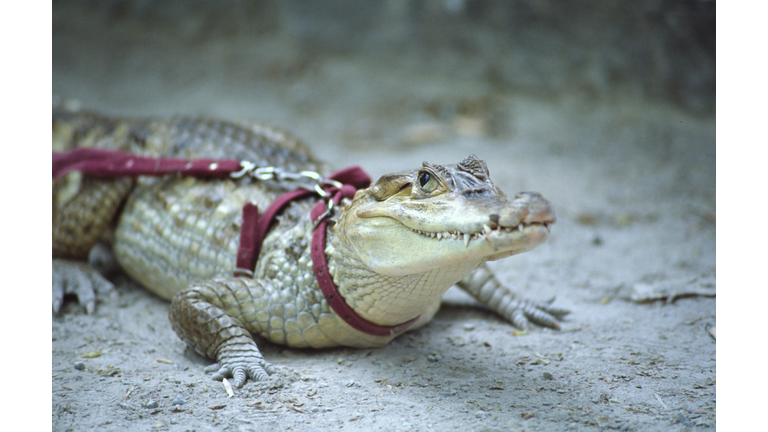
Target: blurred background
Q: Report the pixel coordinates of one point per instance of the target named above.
(583, 77)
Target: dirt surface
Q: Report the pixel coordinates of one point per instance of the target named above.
(631, 176)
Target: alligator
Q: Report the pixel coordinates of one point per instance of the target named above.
(389, 252)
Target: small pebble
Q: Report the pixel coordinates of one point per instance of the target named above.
(434, 358)
(469, 327)
(152, 404)
(682, 419)
(179, 401)
(80, 365)
(547, 376)
(481, 414)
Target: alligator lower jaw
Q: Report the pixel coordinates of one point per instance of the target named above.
(467, 238)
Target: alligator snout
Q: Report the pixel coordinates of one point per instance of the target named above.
(538, 209)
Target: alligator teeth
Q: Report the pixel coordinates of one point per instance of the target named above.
(468, 237)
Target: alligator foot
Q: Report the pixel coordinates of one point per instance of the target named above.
(484, 287)
(240, 359)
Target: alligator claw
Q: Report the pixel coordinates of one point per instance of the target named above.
(240, 364)
(80, 279)
(523, 312)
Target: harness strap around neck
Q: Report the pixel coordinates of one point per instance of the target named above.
(325, 280)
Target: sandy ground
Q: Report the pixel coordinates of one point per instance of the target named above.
(632, 180)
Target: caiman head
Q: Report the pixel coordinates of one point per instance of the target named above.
(439, 216)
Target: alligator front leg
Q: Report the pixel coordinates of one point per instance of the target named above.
(215, 317)
(484, 287)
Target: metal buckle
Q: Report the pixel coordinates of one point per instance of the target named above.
(328, 211)
(244, 272)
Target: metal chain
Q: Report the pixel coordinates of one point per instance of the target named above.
(316, 184)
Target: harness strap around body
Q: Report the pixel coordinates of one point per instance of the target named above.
(113, 164)
(255, 227)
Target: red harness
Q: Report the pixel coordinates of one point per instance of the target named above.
(112, 163)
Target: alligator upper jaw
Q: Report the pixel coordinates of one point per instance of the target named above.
(488, 233)
(408, 237)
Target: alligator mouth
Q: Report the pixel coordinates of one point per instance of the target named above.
(469, 237)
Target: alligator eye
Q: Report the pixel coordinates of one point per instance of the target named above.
(427, 183)
(424, 178)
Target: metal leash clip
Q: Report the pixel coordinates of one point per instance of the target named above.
(246, 168)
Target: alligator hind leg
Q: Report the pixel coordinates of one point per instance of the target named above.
(78, 224)
(484, 287)
(82, 220)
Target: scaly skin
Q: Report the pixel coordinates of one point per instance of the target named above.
(392, 250)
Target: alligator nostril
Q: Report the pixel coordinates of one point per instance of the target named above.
(494, 220)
